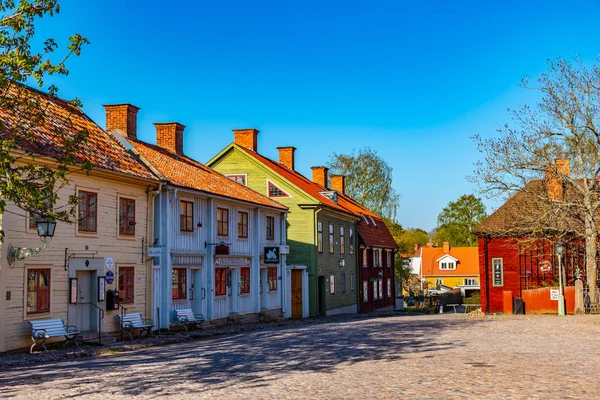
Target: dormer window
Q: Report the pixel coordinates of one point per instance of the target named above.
(447, 262)
(365, 218)
(331, 195)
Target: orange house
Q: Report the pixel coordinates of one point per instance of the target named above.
(451, 267)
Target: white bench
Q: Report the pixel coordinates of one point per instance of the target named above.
(464, 305)
(42, 330)
(187, 317)
(133, 321)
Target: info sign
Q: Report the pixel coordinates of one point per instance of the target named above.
(554, 293)
(497, 272)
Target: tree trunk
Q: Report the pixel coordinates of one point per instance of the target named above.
(590, 258)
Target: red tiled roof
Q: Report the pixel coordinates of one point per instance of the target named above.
(101, 149)
(184, 172)
(371, 235)
(468, 261)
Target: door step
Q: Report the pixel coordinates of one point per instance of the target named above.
(91, 337)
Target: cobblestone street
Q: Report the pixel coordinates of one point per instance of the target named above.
(449, 356)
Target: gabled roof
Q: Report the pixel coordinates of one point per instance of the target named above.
(446, 256)
(378, 236)
(185, 172)
(467, 264)
(101, 149)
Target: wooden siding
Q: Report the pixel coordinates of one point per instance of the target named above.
(14, 330)
(492, 296)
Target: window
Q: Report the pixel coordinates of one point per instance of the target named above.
(342, 241)
(331, 239)
(34, 217)
(352, 281)
(380, 284)
(332, 284)
(439, 282)
(186, 216)
(242, 225)
(38, 291)
(274, 191)
(320, 236)
(244, 280)
(389, 258)
(470, 282)
(88, 213)
(272, 278)
(377, 258)
(220, 281)
(351, 233)
(222, 222)
(238, 178)
(126, 217)
(375, 289)
(389, 287)
(270, 228)
(343, 282)
(447, 265)
(364, 254)
(126, 279)
(365, 291)
(178, 287)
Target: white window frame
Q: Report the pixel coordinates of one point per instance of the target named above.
(234, 175)
(331, 284)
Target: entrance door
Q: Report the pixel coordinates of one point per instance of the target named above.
(264, 286)
(321, 294)
(81, 314)
(296, 293)
(196, 291)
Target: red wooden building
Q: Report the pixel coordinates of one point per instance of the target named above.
(511, 258)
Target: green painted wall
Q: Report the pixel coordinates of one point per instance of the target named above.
(301, 233)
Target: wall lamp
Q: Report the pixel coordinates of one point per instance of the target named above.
(45, 230)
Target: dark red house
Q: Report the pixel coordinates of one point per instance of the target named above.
(516, 254)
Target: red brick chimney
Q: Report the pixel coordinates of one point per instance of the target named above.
(554, 178)
(247, 138)
(169, 136)
(338, 182)
(286, 156)
(320, 175)
(122, 117)
(446, 248)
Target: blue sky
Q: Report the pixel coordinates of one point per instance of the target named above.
(412, 79)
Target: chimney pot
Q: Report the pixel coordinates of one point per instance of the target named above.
(554, 178)
(320, 175)
(446, 247)
(122, 117)
(169, 136)
(286, 156)
(247, 138)
(338, 182)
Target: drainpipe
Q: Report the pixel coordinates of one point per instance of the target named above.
(150, 198)
(486, 240)
(283, 262)
(316, 272)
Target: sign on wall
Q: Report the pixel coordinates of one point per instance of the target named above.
(271, 255)
(498, 272)
(110, 277)
(109, 263)
(545, 266)
(554, 294)
(154, 251)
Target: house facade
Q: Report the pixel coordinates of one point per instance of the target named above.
(220, 247)
(322, 226)
(451, 267)
(102, 250)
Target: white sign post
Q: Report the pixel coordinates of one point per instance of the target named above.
(554, 294)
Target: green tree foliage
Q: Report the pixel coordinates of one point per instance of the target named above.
(457, 221)
(31, 186)
(368, 180)
(407, 240)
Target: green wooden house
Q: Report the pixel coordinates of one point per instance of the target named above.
(322, 223)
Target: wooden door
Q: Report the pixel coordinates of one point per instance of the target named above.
(196, 292)
(79, 314)
(296, 293)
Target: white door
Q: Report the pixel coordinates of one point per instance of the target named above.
(264, 288)
(80, 313)
(197, 293)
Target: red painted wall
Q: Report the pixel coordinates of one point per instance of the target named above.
(498, 248)
(537, 301)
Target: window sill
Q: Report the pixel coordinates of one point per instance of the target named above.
(179, 300)
(126, 237)
(34, 317)
(220, 296)
(86, 234)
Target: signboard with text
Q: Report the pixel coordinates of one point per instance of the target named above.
(498, 272)
(554, 294)
(271, 255)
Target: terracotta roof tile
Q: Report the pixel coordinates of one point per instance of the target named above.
(185, 172)
(468, 261)
(101, 149)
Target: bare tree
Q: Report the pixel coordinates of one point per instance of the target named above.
(550, 155)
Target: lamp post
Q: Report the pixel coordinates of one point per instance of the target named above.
(560, 248)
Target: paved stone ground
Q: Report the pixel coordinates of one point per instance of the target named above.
(436, 356)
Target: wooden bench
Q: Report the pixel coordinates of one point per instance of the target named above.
(187, 317)
(42, 330)
(133, 321)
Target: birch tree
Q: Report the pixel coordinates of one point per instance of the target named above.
(530, 156)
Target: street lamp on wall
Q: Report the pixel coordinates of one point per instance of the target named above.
(45, 230)
(341, 262)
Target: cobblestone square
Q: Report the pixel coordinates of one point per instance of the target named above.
(435, 356)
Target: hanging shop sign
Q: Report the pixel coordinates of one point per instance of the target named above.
(154, 251)
(545, 266)
(271, 255)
